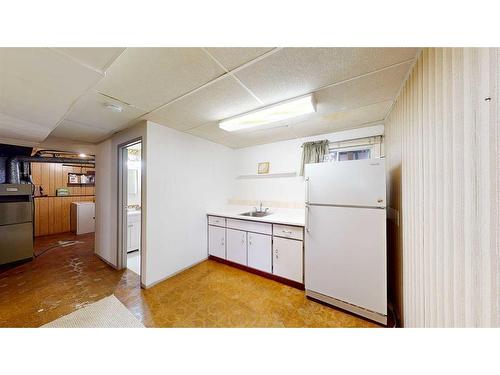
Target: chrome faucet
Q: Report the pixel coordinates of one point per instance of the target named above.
(260, 209)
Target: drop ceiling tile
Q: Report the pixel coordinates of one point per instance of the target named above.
(327, 123)
(11, 127)
(232, 58)
(373, 88)
(210, 131)
(245, 139)
(150, 77)
(79, 132)
(91, 110)
(39, 84)
(291, 72)
(97, 58)
(217, 101)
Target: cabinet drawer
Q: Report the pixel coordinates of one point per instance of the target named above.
(216, 220)
(286, 231)
(250, 226)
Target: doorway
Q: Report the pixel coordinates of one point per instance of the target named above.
(130, 206)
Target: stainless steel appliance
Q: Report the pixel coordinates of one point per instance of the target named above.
(16, 222)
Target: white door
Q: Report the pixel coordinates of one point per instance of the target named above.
(347, 183)
(260, 252)
(237, 246)
(345, 255)
(288, 258)
(217, 241)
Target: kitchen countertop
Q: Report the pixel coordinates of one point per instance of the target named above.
(286, 216)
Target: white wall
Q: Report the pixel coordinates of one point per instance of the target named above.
(442, 145)
(283, 156)
(186, 177)
(106, 187)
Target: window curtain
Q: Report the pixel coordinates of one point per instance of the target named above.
(313, 152)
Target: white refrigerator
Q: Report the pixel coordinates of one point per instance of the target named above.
(345, 244)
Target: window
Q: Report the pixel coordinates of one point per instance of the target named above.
(349, 153)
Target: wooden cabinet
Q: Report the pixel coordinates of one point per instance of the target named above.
(288, 259)
(236, 246)
(259, 252)
(217, 241)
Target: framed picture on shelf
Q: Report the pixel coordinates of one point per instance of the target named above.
(73, 178)
(263, 168)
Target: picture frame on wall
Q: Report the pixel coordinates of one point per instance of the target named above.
(73, 178)
(263, 168)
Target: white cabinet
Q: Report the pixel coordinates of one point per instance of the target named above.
(236, 246)
(287, 231)
(288, 259)
(82, 216)
(217, 241)
(250, 226)
(133, 232)
(216, 220)
(272, 248)
(260, 252)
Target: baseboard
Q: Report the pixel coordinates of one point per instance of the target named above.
(105, 261)
(279, 279)
(370, 315)
(144, 286)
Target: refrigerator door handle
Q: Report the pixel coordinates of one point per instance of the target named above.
(307, 189)
(307, 218)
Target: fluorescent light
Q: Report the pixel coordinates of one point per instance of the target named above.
(268, 115)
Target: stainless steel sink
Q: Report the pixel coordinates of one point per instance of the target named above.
(256, 213)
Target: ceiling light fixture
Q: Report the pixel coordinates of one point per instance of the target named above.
(114, 108)
(82, 155)
(272, 114)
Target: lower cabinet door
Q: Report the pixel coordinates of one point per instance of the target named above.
(260, 252)
(288, 259)
(129, 237)
(237, 246)
(135, 236)
(217, 241)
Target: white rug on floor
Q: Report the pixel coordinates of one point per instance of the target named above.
(109, 312)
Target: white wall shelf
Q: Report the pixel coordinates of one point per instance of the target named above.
(267, 175)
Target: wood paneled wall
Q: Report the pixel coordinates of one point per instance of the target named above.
(443, 158)
(52, 214)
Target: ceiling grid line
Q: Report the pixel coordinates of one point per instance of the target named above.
(253, 61)
(215, 80)
(338, 83)
(232, 75)
(192, 89)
